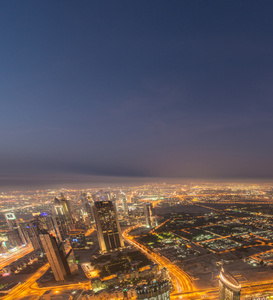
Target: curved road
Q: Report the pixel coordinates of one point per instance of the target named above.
(181, 280)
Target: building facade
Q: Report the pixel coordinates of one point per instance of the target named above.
(108, 229)
(54, 257)
(150, 219)
(87, 207)
(16, 235)
(60, 257)
(32, 232)
(124, 203)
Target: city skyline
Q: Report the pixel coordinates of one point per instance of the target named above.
(136, 157)
(136, 89)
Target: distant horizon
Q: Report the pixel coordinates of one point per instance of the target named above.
(70, 181)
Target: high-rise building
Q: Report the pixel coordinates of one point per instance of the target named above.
(229, 287)
(54, 256)
(150, 219)
(87, 207)
(14, 238)
(67, 209)
(60, 257)
(15, 229)
(107, 196)
(54, 225)
(124, 202)
(69, 257)
(108, 229)
(62, 209)
(155, 291)
(32, 232)
(63, 217)
(60, 228)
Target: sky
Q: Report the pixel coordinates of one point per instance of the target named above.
(136, 88)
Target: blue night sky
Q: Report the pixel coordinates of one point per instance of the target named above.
(136, 88)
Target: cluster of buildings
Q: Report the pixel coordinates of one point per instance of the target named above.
(57, 234)
(62, 231)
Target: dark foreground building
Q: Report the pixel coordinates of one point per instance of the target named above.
(108, 229)
(60, 257)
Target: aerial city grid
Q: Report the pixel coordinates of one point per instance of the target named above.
(136, 157)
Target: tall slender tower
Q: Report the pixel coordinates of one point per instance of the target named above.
(124, 203)
(150, 219)
(67, 209)
(87, 207)
(60, 257)
(62, 212)
(229, 287)
(55, 257)
(54, 225)
(32, 231)
(108, 229)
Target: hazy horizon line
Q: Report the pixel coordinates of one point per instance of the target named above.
(83, 181)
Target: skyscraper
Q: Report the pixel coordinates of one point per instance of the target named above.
(14, 238)
(229, 288)
(32, 232)
(67, 209)
(62, 208)
(155, 291)
(124, 202)
(15, 230)
(107, 196)
(150, 219)
(60, 257)
(63, 217)
(54, 257)
(54, 225)
(87, 207)
(108, 229)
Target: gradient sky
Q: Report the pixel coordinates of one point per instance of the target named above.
(136, 88)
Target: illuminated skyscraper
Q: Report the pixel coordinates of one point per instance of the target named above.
(108, 229)
(229, 288)
(32, 232)
(150, 219)
(15, 231)
(55, 225)
(56, 261)
(67, 209)
(60, 228)
(124, 202)
(63, 217)
(155, 291)
(62, 208)
(87, 207)
(107, 196)
(60, 257)
(14, 238)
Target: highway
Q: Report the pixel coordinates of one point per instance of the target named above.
(24, 288)
(10, 258)
(30, 287)
(181, 280)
